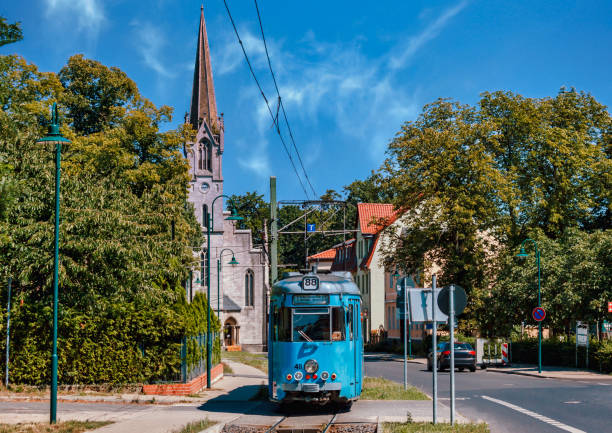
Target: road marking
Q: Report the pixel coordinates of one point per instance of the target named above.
(535, 415)
(600, 383)
(572, 402)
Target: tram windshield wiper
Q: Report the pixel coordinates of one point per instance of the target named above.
(306, 337)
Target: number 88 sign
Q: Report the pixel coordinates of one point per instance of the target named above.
(310, 283)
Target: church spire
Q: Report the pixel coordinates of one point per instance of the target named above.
(203, 104)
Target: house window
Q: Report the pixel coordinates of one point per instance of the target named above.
(249, 291)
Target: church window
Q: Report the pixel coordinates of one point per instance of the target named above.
(249, 290)
(203, 268)
(205, 155)
(205, 216)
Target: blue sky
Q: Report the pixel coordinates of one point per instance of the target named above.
(350, 72)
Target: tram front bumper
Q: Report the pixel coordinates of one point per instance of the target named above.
(311, 387)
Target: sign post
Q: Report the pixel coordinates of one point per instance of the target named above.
(582, 339)
(8, 332)
(434, 347)
(451, 324)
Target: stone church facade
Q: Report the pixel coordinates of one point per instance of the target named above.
(242, 288)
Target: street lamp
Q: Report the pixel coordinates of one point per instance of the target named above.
(54, 137)
(232, 262)
(522, 253)
(210, 224)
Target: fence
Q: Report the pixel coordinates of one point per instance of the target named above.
(193, 355)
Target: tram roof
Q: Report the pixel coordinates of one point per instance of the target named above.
(335, 282)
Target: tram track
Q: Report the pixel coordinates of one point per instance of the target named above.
(303, 424)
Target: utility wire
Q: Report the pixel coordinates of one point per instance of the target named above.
(264, 97)
(280, 100)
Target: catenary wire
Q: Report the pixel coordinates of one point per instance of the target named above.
(275, 120)
(280, 100)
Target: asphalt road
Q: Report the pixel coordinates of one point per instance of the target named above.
(512, 403)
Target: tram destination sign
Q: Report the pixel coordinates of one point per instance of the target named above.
(310, 282)
(311, 299)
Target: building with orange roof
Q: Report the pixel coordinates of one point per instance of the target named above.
(323, 260)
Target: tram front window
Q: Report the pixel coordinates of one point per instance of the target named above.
(318, 324)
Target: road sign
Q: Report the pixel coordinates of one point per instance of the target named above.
(459, 296)
(582, 333)
(538, 314)
(609, 307)
(310, 228)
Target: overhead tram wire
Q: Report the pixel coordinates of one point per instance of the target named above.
(275, 120)
(280, 100)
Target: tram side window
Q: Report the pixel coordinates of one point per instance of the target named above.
(282, 324)
(338, 325)
(350, 321)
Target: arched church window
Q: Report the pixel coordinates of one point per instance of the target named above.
(205, 216)
(203, 268)
(205, 155)
(249, 290)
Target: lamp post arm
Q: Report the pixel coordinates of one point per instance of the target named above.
(212, 207)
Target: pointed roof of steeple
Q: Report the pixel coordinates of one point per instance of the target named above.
(203, 104)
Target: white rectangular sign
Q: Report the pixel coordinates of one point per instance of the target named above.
(420, 306)
(581, 339)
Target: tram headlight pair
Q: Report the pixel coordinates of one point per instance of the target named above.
(311, 366)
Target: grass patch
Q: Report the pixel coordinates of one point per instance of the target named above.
(60, 427)
(196, 426)
(427, 427)
(259, 361)
(378, 388)
(227, 369)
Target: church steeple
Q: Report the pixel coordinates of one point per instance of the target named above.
(203, 104)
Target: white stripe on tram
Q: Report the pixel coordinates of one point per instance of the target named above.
(535, 415)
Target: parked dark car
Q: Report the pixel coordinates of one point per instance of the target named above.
(465, 357)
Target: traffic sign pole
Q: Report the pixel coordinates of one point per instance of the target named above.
(405, 354)
(434, 342)
(451, 323)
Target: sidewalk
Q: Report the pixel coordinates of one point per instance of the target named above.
(566, 373)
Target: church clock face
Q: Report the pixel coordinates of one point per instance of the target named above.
(204, 188)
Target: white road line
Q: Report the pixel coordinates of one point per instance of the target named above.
(535, 415)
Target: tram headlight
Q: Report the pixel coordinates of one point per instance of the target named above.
(325, 375)
(298, 375)
(311, 366)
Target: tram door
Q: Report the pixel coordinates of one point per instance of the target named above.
(355, 337)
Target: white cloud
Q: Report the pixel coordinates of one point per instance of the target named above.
(337, 82)
(89, 13)
(150, 43)
(431, 31)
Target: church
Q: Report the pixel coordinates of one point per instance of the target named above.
(239, 291)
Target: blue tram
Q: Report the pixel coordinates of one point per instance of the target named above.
(315, 344)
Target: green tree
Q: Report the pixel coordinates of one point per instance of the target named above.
(9, 33)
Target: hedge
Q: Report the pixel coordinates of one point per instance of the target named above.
(563, 353)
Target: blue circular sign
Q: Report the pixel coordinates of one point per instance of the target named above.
(538, 314)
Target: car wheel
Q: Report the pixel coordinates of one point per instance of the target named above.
(473, 368)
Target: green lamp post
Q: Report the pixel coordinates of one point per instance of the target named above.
(232, 262)
(522, 253)
(210, 224)
(54, 137)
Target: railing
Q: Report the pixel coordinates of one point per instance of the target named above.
(193, 355)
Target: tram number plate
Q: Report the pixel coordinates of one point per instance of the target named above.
(298, 366)
(310, 283)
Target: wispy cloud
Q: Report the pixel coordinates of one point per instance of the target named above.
(336, 82)
(150, 44)
(430, 32)
(89, 13)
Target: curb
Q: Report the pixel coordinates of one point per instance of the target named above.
(542, 376)
(219, 426)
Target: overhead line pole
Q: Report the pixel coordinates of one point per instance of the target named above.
(274, 234)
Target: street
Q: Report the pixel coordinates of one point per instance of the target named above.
(512, 403)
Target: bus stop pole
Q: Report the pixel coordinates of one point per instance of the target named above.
(434, 342)
(405, 342)
(451, 323)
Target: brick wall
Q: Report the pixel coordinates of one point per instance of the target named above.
(191, 387)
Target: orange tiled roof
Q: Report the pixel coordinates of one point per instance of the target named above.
(325, 255)
(370, 215)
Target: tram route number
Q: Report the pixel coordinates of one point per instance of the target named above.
(310, 283)
(298, 366)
